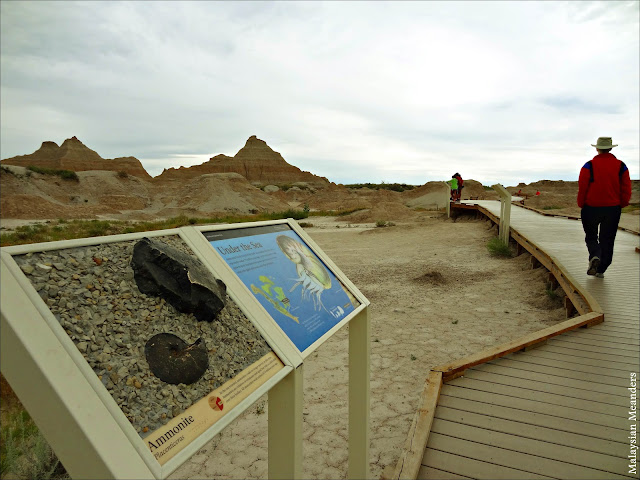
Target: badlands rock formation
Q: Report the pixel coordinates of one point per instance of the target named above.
(256, 162)
(76, 156)
(121, 189)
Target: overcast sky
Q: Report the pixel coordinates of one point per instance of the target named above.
(356, 92)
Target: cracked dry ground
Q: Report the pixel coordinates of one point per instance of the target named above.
(436, 295)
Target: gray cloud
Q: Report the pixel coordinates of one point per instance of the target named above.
(575, 104)
(358, 91)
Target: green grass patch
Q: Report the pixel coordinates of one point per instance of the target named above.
(333, 213)
(631, 207)
(487, 188)
(551, 293)
(24, 452)
(396, 187)
(498, 248)
(551, 207)
(64, 174)
(61, 229)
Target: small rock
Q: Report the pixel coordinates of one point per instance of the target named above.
(82, 346)
(28, 269)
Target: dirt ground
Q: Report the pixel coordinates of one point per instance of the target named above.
(436, 295)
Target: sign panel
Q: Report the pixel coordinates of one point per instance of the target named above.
(170, 393)
(295, 287)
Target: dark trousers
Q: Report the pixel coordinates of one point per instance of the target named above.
(600, 245)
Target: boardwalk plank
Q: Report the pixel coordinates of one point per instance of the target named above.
(578, 352)
(614, 413)
(617, 354)
(537, 363)
(571, 357)
(434, 473)
(512, 459)
(572, 462)
(474, 468)
(600, 342)
(599, 382)
(528, 424)
(534, 388)
(612, 336)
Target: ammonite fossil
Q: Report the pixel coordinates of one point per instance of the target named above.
(173, 361)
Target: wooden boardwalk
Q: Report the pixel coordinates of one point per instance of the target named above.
(560, 410)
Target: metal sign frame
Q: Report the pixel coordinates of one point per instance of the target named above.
(85, 426)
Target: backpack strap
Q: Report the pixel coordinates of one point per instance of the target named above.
(623, 167)
(591, 171)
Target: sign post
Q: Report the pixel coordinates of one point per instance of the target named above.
(505, 212)
(285, 427)
(359, 368)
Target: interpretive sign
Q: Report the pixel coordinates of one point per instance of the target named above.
(154, 334)
(302, 295)
(131, 352)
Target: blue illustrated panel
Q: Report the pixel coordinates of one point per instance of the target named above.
(297, 289)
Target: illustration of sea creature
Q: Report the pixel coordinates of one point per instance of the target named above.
(312, 275)
(275, 295)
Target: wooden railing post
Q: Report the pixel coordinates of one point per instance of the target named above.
(448, 199)
(505, 212)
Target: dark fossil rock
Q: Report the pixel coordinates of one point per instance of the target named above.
(161, 270)
(173, 361)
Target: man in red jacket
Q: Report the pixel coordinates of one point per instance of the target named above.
(604, 188)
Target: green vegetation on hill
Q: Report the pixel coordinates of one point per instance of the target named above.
(396, 187)
(65, 174)
(62, 229)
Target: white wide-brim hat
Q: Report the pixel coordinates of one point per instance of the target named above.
(604, 143)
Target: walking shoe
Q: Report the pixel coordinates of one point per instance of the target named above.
(594, 263)
(599, 275)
